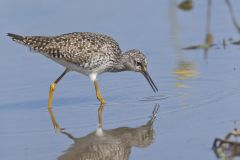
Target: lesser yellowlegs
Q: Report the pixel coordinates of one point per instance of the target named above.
(88, 53)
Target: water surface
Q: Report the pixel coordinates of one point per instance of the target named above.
(195, 107)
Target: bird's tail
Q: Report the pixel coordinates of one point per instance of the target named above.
(35, 43)
(17, 38)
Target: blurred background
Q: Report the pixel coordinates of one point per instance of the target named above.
(193, 56)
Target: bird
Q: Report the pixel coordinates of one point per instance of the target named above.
(88, 53)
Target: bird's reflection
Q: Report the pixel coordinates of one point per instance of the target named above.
(108, 144)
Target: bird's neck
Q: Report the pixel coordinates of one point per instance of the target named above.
(121, 63)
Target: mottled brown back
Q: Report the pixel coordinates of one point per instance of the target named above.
(73, 47)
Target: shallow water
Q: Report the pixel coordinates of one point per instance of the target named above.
(195, 107)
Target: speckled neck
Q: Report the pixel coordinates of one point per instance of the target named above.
(121, 63)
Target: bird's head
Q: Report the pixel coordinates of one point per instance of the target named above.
(137, 62)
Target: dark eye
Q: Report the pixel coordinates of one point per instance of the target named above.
(139, 64)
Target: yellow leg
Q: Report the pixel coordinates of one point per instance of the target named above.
(98, 94)
(51, 91)
(52, 88)
(100, 109)
(55, 124)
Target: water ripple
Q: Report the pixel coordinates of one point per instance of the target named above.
(154, 98)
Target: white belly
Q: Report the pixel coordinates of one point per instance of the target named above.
(73, 67)
(92, 74)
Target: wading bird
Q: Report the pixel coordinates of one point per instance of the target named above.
(88, 53)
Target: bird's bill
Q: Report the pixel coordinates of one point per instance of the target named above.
(150, 81)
